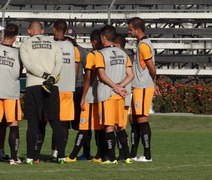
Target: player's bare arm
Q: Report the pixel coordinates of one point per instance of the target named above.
(86, 86)
(152, 72)
(129, 77)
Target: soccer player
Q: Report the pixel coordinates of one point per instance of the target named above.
(120, 42)
(89, 115)
(42, 58)
(114, 72)
(3, 126)
(10, 109)
(143, 84)
(68, 76)
(72, 36)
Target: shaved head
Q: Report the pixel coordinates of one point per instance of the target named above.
(35, 28)
(35, 25)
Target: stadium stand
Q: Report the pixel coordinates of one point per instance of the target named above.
(181, 31)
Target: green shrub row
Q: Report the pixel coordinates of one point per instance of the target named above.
(193, 97)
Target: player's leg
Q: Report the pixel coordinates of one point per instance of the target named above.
(85, 127)
(142, 108)
(111, 142)
(86, 148)
(14, 142)
(100, 143)
(107, 110)
(145, 131)
(79, 141)
(58, 136)
(123, 140)
(51, 109)
(121, 152)
(77, 108)
(135, 137)
(121, 116)
(122, 136)
(40, 140)
(65, 128)
(13, 114)
(3, 128)
(32, 113)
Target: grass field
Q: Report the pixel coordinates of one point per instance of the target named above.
(181, 149)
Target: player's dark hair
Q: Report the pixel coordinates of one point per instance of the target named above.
(96, 36)
(11, 30)
(109, 32)
(120, 38)
(60, 25)
(137, 23)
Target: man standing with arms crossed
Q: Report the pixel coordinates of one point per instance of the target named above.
(114, 72)
(42, 58)
(143, 84)
(10, 108)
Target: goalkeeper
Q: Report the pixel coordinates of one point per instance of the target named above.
(42, 58)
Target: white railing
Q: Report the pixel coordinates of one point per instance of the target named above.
(104, 15)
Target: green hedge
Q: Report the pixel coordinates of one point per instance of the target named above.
(193, 97)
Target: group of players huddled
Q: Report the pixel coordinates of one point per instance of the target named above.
(116, 88)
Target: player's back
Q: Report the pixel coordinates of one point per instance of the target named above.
(67, 75)
(9, 72)
(115, 62)
(42, 52)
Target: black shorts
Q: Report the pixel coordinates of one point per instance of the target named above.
(40, 104)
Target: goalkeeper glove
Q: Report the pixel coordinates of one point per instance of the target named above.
(57, 78)
(48, 84)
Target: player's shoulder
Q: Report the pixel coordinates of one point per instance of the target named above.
(145, 42)
(92, 52)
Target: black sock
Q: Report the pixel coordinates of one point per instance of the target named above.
(14, 141)
(40, 139)
(65, 126)
(97, 140)
(86, 145)
(122, 137)
(3, 128)
(58, 136)
(135, 137)
(121, 152)
(111, 144)
(79, 141)
(100, 141)
(146, 138)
